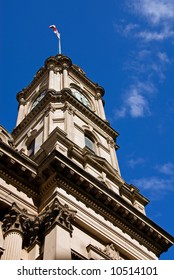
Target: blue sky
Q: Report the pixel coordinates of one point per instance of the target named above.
(125, 46)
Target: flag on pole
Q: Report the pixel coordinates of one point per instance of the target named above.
(55, 30)
(58, 36)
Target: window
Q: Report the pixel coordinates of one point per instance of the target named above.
(31, 147)
(89, 143)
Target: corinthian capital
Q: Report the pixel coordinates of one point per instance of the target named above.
(60, 214)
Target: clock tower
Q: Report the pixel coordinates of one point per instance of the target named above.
(67, 197)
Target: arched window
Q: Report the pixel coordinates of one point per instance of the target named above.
(89, 142)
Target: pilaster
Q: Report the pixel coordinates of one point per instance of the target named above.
(69, 124)
(98, 97)
(58, 231)
(21, 110)
(114, 160)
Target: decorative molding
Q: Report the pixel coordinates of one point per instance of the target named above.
(60, 214)
(109, 253)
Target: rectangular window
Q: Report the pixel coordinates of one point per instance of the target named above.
(89, 143)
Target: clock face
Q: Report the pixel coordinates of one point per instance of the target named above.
(77, 94)
(38, 99)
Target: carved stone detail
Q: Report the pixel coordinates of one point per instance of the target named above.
(58, 214)
(111, 252)
(32, 227)
(13, 220)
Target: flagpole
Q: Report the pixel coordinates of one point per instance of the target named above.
(59, 48)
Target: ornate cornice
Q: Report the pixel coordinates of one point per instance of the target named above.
(18, 170)
(64, 96)
(110, 205)
(86, 188)
(57, 64)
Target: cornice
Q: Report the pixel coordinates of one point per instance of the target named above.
(86, 188)
(39, 74)
(50, 95)
(59, 62)
(107, 203)
(64, 95)
(19, 170)
(80, 73)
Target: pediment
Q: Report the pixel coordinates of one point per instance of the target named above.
(101, 164)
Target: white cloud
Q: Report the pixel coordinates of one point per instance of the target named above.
(163, 57)
(150, 35)
(126, 29)
(137, 104)
(154, 184)
(155, 11)
(134, 103)
(166, 168)
(148, 65)
(134, 162)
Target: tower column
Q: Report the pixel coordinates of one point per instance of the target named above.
(51, 78)
(21, 111)
(100, 104)
(65, 76)
(114, 160)
(69, 125)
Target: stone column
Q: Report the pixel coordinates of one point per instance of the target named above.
(12, 245)
(13, 236)
(51, 77)
(69, 124)
(19, 229)
(100, 106)
(58, 230)
(21, 110)
(114, 160)
(65, 76)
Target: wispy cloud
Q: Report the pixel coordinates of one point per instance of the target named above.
(166, 168)
(154, 184)
(151, 35)
(159, 185)
(135, 100)
(134, 104)
(155, 11)
(134, 162)
(147, 64)
(163, 57)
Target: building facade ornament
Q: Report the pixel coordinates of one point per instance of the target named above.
(111, 252)
(32, 227)
(60, 214)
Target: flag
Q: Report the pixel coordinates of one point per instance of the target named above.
(55, 30)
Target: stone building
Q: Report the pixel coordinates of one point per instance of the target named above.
(61, 192)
